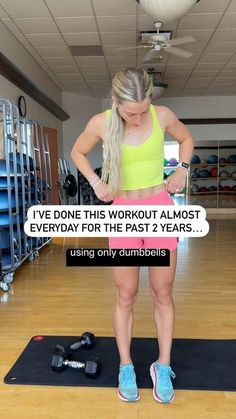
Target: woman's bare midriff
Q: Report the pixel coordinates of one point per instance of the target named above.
(141, 193)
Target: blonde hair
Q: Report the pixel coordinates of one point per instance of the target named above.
(128, 85)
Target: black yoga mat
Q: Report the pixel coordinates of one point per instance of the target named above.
(199, 364)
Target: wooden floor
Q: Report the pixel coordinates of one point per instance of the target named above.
(48, 298)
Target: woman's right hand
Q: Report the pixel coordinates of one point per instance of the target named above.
(102, 193)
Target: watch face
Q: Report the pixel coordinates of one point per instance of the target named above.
(22, 106)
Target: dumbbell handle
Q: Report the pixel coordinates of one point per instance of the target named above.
(74, 364)
(77, 345)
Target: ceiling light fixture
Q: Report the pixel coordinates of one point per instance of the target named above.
(167, 10)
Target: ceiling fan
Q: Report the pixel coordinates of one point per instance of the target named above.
(157, 42)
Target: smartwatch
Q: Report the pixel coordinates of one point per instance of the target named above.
(183, 165)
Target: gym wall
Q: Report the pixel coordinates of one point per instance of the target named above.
(202, 107)
(15, 52)
(81, 109)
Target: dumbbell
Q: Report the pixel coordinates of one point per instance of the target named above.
(87, 341)
(91, 367)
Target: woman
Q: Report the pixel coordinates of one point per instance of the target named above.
(133, 151)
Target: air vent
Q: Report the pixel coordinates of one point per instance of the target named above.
(86, 50)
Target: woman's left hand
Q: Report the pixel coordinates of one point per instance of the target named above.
(176, 182)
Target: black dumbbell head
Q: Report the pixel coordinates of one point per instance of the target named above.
(92, 368)
(57, 363)
(87, 340)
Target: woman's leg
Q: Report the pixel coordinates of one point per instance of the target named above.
(126, 281)
(161, 286)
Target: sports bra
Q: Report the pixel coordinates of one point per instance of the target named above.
(142, 165)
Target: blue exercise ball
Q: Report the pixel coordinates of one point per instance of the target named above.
(213, 159)
(204, 173)
(212, 188)
(232, 158)
(194, 188)
(195, 174)
(195, 159)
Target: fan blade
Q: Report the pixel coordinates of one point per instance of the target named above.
(151, 54)
(179, 52)
(179, 41)
(139, 46)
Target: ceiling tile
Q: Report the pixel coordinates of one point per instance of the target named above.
(53, 52)
(219, 47)
(116, 24)
(202, 35)
(3, 14)
(86, 60)
(203, 74)
(35, 25)
(90, 38)
(211, 5)
(114, 7)
(71, 8)
(214, 58)
(177, 74)
(71, 77)
(118, 38)
(64, 70)
(224, 35)
(115, 50)
(14, 29)
(97, 76)
(232, 6)
(76, 24)
(199, 21)
(228, 21)
(93, 68)
(47, 39)
(179, 66)
(146, 23)
(227, 73)
(25, 8)
(209, 66)
(36, 55)
(176, 59)
(194, 81)
(59, 61)
(230, 66)
(121, 60)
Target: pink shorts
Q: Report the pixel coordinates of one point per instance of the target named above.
(170, 243)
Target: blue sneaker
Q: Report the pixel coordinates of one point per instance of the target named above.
(128, 390)
(161, 375)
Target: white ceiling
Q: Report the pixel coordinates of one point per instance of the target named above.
(47, 28)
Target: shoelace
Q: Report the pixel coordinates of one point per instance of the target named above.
(128, 375)
(165, 373)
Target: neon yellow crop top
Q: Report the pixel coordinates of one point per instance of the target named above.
(142, 165)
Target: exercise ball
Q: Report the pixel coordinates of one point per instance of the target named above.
(173, 162)
(204, 173)
(167, 10)
(195, 159)
(194, 188)
(222, 160)
(212, 188)
(224, 174)
(195, 174)
(203, 189)
(213, 172)
(226, 188)
(233, 175)
(232, 158)
(203, 161)
(166, 162)
(234, 188)
(213, 159)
